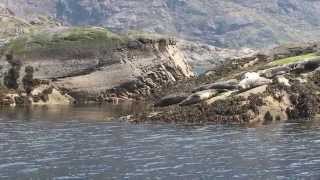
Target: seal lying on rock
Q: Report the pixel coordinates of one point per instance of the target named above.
(171, 100)
(298, 67)
(252, 80)
(306, 66)
(275, 71)
(227, 85)
(200, 96)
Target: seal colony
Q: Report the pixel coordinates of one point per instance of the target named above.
(259, 93)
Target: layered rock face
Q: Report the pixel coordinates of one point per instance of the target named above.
(232, 23)
(93, 64)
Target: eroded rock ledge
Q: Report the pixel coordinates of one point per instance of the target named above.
(90, 65)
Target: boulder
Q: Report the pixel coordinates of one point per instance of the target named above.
(49, 95)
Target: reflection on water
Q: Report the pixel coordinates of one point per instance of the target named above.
(75, 143)
(65, 112)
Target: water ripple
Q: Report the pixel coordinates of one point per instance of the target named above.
(76, 149)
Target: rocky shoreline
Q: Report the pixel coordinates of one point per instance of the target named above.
(249, 90)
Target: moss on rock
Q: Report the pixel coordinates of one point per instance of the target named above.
(65, 43)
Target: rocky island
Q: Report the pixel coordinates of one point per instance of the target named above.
(46, 63)
(159, 89)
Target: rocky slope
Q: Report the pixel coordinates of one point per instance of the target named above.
(13, 26)
(89, 65)
(232, 23)
(204, 57)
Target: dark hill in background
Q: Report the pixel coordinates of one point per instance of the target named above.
(223, 23)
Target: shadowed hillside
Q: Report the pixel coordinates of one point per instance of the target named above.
(232, 23)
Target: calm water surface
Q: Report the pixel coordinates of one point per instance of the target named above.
(78, 143)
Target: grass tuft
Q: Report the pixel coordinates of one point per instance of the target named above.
(79, 42)
(293, 59)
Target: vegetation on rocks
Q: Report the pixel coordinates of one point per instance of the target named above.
(231, 23)
(68, 43)
(293, 59)
(91, 64)
(290, 92)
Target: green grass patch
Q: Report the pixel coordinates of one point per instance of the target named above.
(77, 42)
(293, 59)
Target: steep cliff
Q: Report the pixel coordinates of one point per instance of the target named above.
(232, 23)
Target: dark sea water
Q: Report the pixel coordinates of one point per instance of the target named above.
(65, 143)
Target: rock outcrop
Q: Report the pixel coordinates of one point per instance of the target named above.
(93, 64)
(203, 57)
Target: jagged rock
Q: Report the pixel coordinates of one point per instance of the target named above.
(171, 100)
(199, 96)
(21, 100)
(48, 95)
(252, 80)
(12, 75)
(305, 103)
(27, 80)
